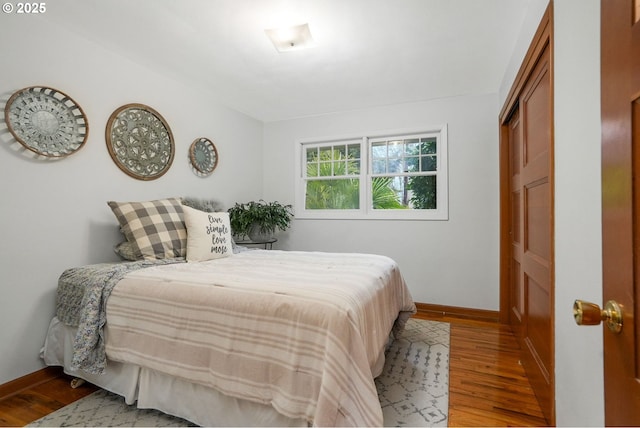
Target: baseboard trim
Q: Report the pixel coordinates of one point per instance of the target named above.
(29, 381)
(458, 312)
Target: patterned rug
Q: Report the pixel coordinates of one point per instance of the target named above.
(413, 389)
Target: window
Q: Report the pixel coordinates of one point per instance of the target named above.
(332, 176)
(398, 175)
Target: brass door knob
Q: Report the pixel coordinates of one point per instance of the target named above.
(586, 313)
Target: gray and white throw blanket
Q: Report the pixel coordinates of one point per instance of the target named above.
(81, 302)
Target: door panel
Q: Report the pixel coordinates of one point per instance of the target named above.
(515, 144)
(515, 226)
(540, 323)
(537, 221)
(531, 200)
(516, 202)
(620, 77)
(517, 305)
(536, 110)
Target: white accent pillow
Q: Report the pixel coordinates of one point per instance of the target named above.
(208, 235)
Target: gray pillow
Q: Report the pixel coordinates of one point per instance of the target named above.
(206, 205)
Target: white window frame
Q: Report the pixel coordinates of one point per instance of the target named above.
(366, 212)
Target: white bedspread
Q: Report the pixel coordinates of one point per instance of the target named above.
(300, 331)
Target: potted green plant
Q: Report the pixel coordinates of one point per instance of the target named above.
(259, 220)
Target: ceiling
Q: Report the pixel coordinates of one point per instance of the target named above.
(368, 52)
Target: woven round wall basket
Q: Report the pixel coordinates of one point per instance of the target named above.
(140, 141)
(203, 156)
(46, 121)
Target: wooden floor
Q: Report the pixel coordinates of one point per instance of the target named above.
(38, 401)
(488, 386)
(487, 383)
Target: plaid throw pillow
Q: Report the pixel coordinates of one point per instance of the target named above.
(156, 229)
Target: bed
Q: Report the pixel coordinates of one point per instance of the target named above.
(261, 337)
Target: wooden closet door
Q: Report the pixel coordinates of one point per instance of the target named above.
(536, 333)
(528, 147)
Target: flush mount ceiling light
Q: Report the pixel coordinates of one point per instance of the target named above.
(291, 38)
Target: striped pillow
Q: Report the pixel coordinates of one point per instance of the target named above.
(156, 229)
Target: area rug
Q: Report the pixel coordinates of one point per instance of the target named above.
(413, 389)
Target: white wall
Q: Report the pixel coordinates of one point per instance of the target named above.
(452, 262)
(578, 241)
(54, 214)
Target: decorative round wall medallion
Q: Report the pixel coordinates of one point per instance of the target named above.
(140, 142)
(46, 121)
(203, 156)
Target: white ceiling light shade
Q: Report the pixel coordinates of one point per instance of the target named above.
(291, 38)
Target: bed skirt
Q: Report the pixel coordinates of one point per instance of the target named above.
(150, 389)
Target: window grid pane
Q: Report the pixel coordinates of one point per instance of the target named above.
(379, 150)
(409, 156)
(403, 173)
(338, 194)
(412, 164)
(333, 160)
(429, 163)
(412, 147)
(428, 145)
